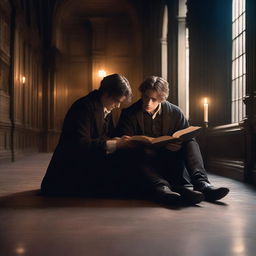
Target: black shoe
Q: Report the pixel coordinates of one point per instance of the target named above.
(190, 196)
(210, 192)
(163, 194)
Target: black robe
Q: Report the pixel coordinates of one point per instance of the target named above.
(79, 159)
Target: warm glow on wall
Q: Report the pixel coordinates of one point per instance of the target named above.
(102, 73)
(20, 250)
(23, 79)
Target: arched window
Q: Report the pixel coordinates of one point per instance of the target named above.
(238, 60)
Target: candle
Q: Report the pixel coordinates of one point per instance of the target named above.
(205, 110)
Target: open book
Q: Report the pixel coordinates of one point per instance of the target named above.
(179, 136)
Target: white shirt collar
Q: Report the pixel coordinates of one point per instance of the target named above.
(106, 112)
(157, 111)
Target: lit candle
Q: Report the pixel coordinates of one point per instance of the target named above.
(205, 110)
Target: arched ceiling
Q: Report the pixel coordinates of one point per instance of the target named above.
(92, 8)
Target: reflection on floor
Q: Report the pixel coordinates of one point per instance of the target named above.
(35, 226)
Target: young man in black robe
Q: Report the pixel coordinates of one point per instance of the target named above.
(81, 163)
(164, 167)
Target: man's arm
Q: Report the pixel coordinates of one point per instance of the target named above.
(87, 141)
(181, 121)
(79, 130)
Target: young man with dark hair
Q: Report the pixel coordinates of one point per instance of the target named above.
(79, 165)
(164, 167)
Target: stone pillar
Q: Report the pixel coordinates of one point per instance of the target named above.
(183, 90)
(250, 99)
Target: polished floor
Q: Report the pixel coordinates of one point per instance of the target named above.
(33, 226)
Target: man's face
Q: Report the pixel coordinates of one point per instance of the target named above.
(150, 99)
(112, 102)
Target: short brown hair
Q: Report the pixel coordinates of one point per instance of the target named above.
(156, 83)
(115, 85)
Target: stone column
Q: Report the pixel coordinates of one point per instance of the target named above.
(250, 99)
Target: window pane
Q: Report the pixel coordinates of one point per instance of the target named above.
(238, 60)
(233, 10)
(244, 87)
(243, 43)
(240, 88)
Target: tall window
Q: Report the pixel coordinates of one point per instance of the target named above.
(238, 60)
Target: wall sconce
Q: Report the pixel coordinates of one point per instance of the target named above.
(102, 73)
(23, 80)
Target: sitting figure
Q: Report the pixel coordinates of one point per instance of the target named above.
(81, 162)
(168, 168)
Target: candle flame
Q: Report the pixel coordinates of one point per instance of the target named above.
(205, 101)
(23, 79)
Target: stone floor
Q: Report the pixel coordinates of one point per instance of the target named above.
(32, 225)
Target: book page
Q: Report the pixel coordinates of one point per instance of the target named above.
(186, 131)
(162, 138)
(142, 138)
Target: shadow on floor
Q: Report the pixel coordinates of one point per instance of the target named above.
(33, 199)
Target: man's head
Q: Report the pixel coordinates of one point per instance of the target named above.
(114, 89)
(153, 90)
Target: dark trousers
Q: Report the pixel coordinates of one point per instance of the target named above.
(140, 169)
(129, 171)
